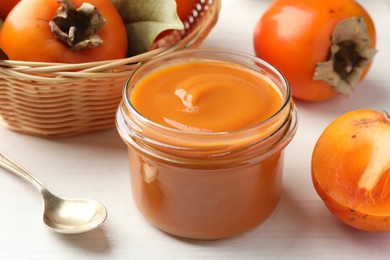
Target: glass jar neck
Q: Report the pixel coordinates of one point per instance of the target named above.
(167, 144)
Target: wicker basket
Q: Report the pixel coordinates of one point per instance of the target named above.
(51, 99)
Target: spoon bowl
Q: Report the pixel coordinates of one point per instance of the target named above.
(68, 216)
(72, 216)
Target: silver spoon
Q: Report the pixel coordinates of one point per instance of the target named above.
(69, 216)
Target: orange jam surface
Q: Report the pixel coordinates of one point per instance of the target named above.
(205, 97)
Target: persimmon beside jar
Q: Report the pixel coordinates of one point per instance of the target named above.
(207, 185)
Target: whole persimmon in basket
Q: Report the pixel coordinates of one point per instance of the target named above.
(65, 93)
(47, 31)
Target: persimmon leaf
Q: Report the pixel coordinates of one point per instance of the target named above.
(145, 20)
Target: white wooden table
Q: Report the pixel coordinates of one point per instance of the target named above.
(95, 166)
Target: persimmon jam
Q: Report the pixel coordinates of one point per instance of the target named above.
(210, 96)
(206, 132)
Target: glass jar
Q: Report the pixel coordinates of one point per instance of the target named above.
(207, 185)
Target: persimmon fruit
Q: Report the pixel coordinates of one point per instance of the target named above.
(324, 48)
(185, 7)
(6, 6)
(351, 169)
(37, 30)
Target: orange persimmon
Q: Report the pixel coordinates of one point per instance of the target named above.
(6, 6)
(82, 31)
(324, 48)
(351, 169)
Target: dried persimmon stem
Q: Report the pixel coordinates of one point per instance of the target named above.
(77, 28)
(387, 116)
(350, 53)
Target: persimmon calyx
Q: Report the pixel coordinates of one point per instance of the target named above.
(349, 55)
(77, 28)
(379, 161)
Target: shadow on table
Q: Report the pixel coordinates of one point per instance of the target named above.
(95, 241)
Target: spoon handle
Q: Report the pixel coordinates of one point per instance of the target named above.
(11, 166)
